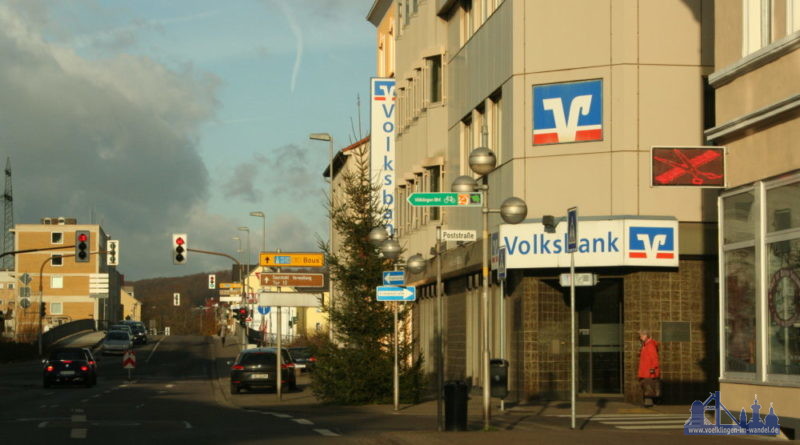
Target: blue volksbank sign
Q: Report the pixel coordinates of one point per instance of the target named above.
(601, 242)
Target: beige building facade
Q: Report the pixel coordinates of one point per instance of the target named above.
(570, 96)
(757, 67)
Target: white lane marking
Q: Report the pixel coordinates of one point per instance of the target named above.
(325, 432)
(78, 433)
(303, 421)
(108, 391)
(187, 424)
(172, 386)
(77, 410)
(125, 385)
(98, 395)
(139, 405)
(154, 350)
(78, 418)
(84, 400)
(164, 392)
(281, 416)
(43, 424)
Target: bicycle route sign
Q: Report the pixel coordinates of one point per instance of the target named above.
(445, 199)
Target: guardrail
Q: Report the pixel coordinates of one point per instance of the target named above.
(57, 333)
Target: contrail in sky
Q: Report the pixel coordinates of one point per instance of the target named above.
(298, 34)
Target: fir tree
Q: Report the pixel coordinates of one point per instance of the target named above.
(357, 367)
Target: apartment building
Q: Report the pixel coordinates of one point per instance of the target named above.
(57, 281)
(755, 78)
(131, 307)
(571, 96)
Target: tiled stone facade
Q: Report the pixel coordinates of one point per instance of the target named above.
(689, 368)
(540, 337)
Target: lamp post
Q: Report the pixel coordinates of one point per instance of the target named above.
(327, 137)
(391, 249)
(247, 273)
(264, 232)
(513, 210)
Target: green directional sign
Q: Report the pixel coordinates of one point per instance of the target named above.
(445, 199)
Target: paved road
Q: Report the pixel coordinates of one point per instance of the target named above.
(172, 399)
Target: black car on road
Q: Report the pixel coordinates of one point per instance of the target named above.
(304, 359)
(139, 331)
(70, 365)
(255, 369)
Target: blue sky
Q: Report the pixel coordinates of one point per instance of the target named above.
(185, 114)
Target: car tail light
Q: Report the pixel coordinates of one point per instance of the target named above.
(84, 368)
(66, 361)
(237, 368)
(287, 366)
(312, 359)
(91, 362)
(50, 368)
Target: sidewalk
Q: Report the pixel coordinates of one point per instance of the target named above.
(530, 423)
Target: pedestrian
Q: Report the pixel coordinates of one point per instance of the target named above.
(649, 369)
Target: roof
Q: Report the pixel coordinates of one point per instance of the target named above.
(378, 11)
(340, 158)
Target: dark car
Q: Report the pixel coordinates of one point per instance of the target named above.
(70, 365)
(255, 369)
(138, 330)
(304, 360)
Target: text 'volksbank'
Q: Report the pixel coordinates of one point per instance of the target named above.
(540, 244)
(382, 151)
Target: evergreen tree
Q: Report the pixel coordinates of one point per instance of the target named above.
(357, 367)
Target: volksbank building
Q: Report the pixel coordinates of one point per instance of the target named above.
(572, 97)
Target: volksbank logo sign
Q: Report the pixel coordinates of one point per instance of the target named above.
(610, 242)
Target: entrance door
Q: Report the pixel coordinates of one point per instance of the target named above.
(600, 337)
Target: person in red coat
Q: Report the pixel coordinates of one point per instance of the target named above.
(649, 369)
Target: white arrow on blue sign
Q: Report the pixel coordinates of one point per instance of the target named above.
(264, 310)
(394, 277)
(396, 293)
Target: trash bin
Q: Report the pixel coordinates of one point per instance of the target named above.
(456, 394)
(498, 376)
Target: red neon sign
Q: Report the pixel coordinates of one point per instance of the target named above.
(688, 166)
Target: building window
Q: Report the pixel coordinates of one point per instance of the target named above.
(11, 285)
(56, 282)
(765, 21)
(56, 309)
(467, 17)
(56, 260)
(434, 67)
(740, 310)
(56, 237)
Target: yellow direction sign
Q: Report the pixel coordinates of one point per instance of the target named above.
(230, 285)
(275, 259)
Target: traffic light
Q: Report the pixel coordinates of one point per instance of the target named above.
(82, 244)
(212, 281)
(180, 248)
(241, 314)
(42, 310)
(112, 252)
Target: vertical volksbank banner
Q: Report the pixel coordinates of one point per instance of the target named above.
(382, 114)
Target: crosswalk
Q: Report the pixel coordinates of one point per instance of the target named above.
(637, 421)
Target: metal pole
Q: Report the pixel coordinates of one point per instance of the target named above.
(279, 354)
(487, 415)
(439, 330)
(572, 335)
(396, 378)
(330, 232)
(502, 331)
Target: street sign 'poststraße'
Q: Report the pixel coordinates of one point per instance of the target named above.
(293, 279)
(445, 199)
(274, 259)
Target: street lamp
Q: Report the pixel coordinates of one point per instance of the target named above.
(513, 210)
(391, 250)
(264, 233)
(327, 137)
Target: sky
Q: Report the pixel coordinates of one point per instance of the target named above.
(155, 117)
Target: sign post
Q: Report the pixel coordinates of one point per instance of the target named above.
(129, 362)
(445, 199)
(572, 245)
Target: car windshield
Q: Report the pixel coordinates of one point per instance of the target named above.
(119, 327)
(67, 355)
(118, 335)
(258, 358)
(300, 352)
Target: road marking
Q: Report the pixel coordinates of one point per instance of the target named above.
(139, 405)
(303, 421)
(125, 385)
(154, 350)
(78, 433)
(78, 418)
(108, 391)
(98, 395)
(187, 424)
(325, 432)
(164, 392)
(281, 416)
(172, 386)
(43, 424)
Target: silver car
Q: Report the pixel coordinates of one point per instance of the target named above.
(116, 342)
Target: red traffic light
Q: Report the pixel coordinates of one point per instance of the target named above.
(179, 241)
(82, 237)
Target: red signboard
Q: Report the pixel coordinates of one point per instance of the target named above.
(688, 166)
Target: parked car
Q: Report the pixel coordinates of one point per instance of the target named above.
(70, 365)
(116, 342)
(121, 327)
(304, 360)
(138, 329)
(255, 369)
